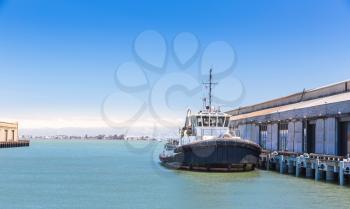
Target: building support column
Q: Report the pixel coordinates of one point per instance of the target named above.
(291, 167)
(341, 173)
(281, 164)
(317, 170)
(297, 167)
(309, 173)
(329, 176)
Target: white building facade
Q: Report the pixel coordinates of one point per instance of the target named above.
(8, 132)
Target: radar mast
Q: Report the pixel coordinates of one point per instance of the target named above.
(210, 83)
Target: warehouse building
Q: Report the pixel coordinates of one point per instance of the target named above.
(8, 132)
(312, 121)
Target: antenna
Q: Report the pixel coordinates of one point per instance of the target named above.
(204, 102)
(210, 87)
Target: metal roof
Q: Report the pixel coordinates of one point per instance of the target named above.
(305, 95)
(301, 105)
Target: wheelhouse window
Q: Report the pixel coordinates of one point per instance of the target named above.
(227, 121)
(283, 137)
(199, 121)
(221, 121)
(205, 121)
(263, 136)
(213, 121)
(194, 121)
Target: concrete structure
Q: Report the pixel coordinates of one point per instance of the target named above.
(312, 121)
(304, 134)
(8, 132)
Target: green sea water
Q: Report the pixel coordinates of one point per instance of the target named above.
(127, 175)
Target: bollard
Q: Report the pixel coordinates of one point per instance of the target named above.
(341, 173)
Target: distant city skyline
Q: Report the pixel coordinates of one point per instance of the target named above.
(58, 58)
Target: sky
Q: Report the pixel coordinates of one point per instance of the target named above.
(92, 65)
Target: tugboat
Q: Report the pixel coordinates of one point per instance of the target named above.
(206, 144)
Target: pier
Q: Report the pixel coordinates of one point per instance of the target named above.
(9, 136)
(332, 169)
(314, 121)
(20, 143)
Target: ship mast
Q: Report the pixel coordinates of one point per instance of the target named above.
(210, 88)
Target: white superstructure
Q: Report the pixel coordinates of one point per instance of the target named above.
(208, 124)
(205, 125)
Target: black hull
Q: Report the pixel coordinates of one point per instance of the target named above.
(227, 155)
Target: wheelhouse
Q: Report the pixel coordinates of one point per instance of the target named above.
(210, 120)
(205, 123)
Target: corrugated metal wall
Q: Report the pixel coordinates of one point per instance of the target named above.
(298, 136)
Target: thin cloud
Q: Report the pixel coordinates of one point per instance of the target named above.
(59, 123)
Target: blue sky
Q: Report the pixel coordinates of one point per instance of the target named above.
(58, 57)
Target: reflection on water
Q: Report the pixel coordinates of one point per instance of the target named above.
(108, 174)
(218, 178)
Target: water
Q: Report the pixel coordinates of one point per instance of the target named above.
(120, 175)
